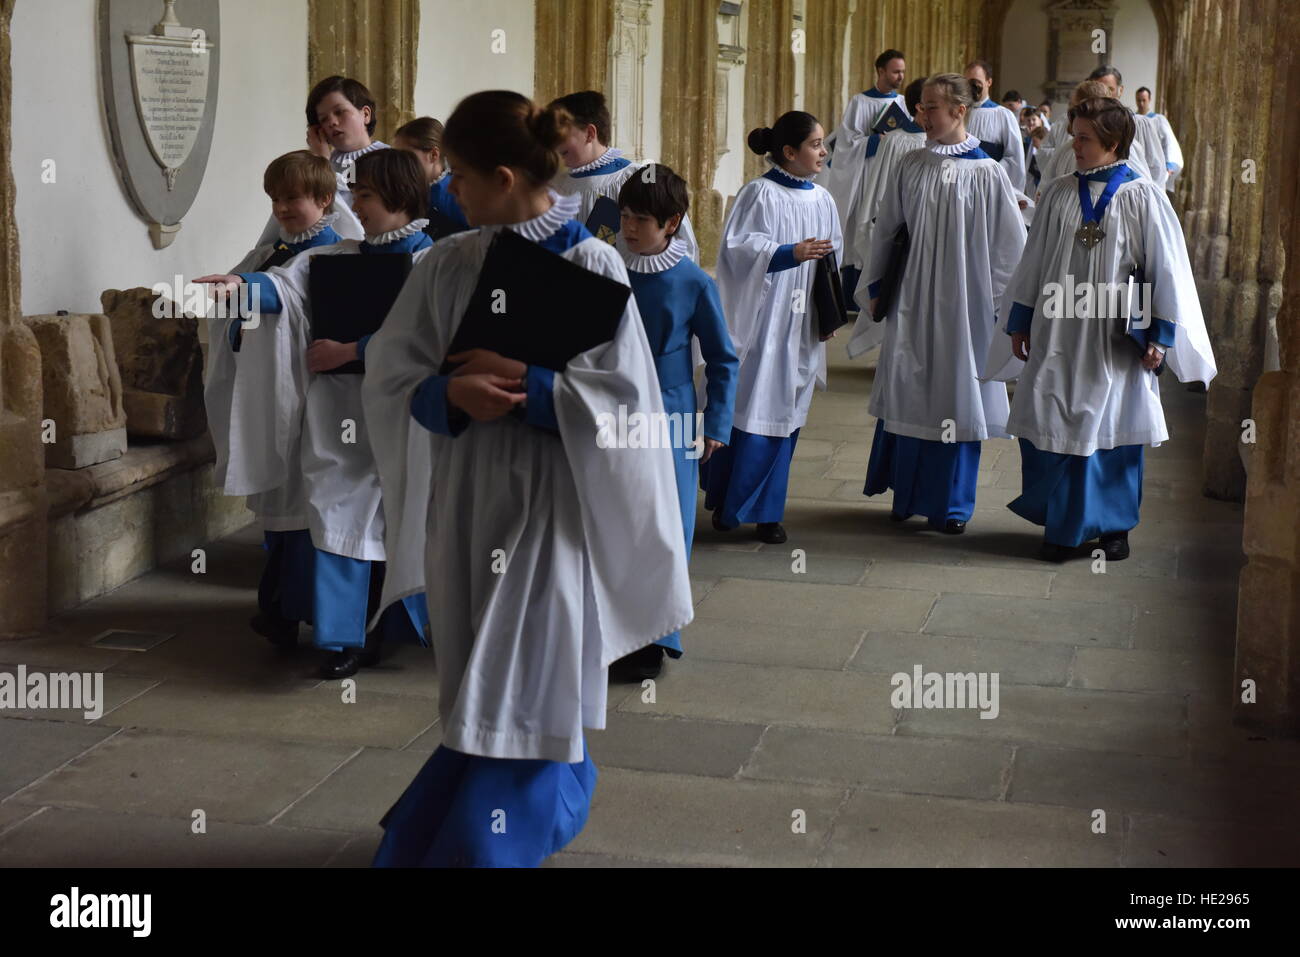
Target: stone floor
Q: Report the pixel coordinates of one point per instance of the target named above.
(1115, 692)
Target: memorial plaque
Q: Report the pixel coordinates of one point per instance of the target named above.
(160, 73)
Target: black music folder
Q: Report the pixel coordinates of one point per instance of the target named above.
(995, 150)
(441, 225)
(536, 306)
(889, 282)
(603, 222)
(894, 118)
(828, 297)
(351, 294)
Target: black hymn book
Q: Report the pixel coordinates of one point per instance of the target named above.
(535, 306)
(828, 297)
(898, 249)
(350, 296)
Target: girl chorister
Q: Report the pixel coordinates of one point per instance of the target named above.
(781, 223)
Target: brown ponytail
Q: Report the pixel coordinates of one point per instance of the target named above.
(501, 128)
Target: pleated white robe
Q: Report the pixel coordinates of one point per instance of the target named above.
(848, 162)
(966, 237)
(1084, 388)
(770, 315)
(993, 123)
(590, 565)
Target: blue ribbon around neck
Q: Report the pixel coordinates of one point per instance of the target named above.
(1091, 213)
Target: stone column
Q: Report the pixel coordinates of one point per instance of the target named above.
(373, 41)
(1268, 609)
(571, 39)
(769, 70)
(23, 498)
(828, 22)
(688, 119)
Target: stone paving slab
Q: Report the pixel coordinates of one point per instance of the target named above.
(647, 742)
(1140, 670)
(953, 767)
(808, 606)
(32, 748)
(758, 643)
(1147, 724)
(898, 830)
(357, 794)
(117, 691)
(1015, 662)
(1058, 620)
(776, 563)
(89, 838)
(1154, 841)
(981, 581)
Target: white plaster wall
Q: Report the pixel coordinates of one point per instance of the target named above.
(80, 235)
(455, 57)
(1134, 49)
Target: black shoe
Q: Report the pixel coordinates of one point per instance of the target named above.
(1051, 552)
(716, 519)
(1115, 546)
(643, 663)
(346, 663)
(954, 526)
(281, 632)
(771, 533)
(895, 517)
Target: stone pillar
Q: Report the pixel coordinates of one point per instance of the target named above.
(23, 497)
(373, 41)
(688, 118)
(769, 70)
(1268, 609)
(828, 22)
(572, 39)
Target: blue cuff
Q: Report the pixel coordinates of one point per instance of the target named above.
(429, 407)
(783, 258)
(235, 334)
(1021, 318)
(261, 293)
(873, 289)
(361, 347)
(1162, 333)
(540, 410)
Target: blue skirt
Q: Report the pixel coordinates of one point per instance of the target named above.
(463, 810)
(934, 479)
(746, 481)
(682, 400)
(285, 589)
(1076, 498)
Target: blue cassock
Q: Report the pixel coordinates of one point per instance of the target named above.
(442, 202)
(466, 810)
(675, 304)
(333, 593)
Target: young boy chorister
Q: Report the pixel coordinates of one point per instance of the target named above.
(344, 506)
(1087, 398)
(678, 302)
(593, 169)
(423, 138)
(548, 556)
(252, 370)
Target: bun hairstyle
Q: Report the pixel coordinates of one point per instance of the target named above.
(790, 130)
(501, 128)
(955, 89)
(1111, 119)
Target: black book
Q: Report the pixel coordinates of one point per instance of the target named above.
(535, 306)
(828, 297)
(603, 221)
(894, 118)
(442, 225)
(995, 150)
(351, 294)
(1139, 336)
(889, 282)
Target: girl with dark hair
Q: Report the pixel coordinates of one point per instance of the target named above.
(781, 224)
(548, 555)
(422, 137)
(1087, 399)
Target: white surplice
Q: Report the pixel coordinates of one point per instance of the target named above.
(966, 237)
(770, 314)
(544, 557)
(993, 123)
(848, 162)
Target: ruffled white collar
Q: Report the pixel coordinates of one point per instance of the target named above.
(563, 209)
(393, 235)
(310, 232)
(1099, 169)
(782, 171)
(604, 159)
(659, 262)
(342, 159)
(953, 149)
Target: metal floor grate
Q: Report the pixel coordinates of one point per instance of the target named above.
(123, 640)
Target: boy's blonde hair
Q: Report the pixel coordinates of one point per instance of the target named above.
(300, 173)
